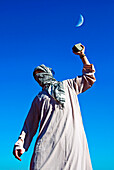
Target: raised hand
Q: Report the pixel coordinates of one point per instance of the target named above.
(80, 53)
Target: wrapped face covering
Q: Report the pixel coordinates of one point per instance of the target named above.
(45, 79)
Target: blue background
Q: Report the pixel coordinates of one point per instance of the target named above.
(33, 32)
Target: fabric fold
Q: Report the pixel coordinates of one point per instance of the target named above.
(46, 80)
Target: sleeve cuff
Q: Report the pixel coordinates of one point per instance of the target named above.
(19, 145)
(88, 68)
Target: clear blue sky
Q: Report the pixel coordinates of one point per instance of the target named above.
(33, 32)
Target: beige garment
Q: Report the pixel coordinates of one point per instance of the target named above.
(61, 143)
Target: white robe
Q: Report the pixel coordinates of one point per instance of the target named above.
(61, 143)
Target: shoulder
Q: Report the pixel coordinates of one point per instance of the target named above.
(36, 99)
(36, 104)
(68, 83)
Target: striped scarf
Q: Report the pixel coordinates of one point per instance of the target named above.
(53, 87)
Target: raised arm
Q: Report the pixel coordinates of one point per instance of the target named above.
(84, 82)
(82, 55)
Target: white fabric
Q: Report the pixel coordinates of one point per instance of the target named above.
(19, 145)
(61, 144)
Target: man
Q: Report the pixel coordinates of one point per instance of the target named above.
(61, 143)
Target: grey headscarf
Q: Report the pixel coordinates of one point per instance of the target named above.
(54, 88)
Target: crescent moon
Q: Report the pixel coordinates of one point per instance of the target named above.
(80, 21)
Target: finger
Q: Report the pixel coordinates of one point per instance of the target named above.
(16, 155)
(20, 152)
(76, 53)
(82, 46)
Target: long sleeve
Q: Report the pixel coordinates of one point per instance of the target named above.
(30, 125)
(84, 82)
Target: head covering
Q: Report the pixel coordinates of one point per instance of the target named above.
(45, 79)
